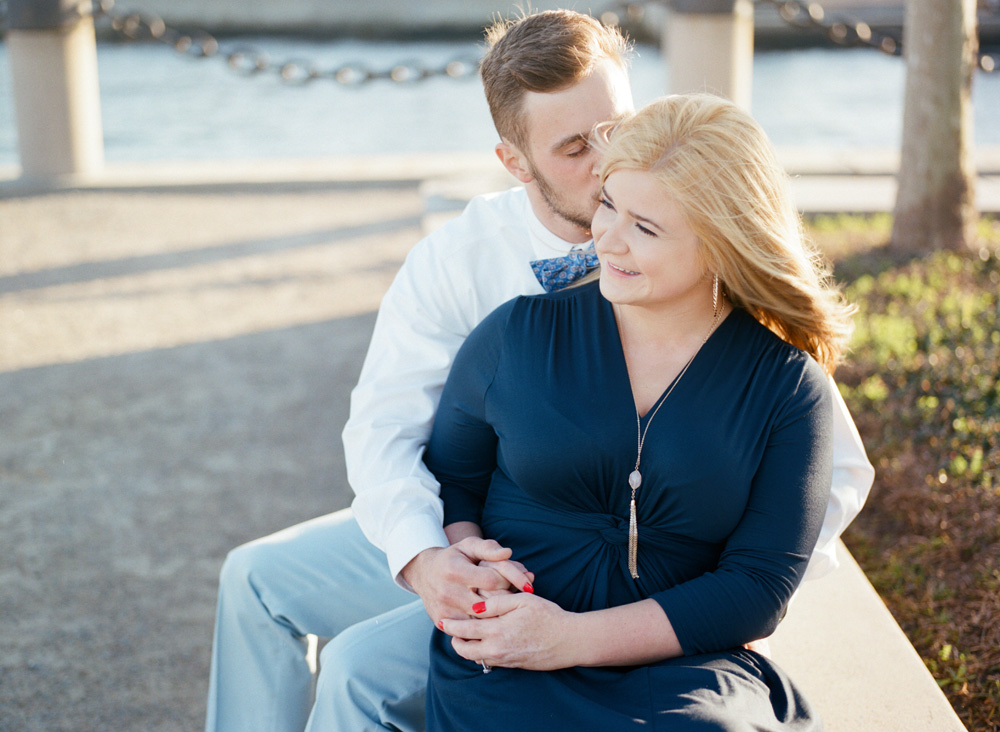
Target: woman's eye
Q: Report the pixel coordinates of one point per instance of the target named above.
(606, 203)
(644, 230)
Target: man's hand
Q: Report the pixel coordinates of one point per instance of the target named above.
(451, 580)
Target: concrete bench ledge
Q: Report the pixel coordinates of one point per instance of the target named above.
(843, 647)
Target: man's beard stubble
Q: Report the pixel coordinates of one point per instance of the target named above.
(552, 200)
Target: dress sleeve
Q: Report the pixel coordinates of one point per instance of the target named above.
(461, 452)
(765, 557)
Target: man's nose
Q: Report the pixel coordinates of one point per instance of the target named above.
(595, 163)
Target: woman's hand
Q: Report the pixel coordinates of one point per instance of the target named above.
(451, 580)
(518, 630)
(514, 572)
(526, 631)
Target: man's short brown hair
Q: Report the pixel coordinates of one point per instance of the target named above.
(544, 52)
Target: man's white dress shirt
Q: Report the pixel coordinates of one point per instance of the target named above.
(449, 282)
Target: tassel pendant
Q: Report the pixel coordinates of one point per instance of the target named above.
(633, 540)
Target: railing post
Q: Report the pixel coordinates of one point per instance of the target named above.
(53, 61)
(709, 47)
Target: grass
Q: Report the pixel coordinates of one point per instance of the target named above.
(923, 384)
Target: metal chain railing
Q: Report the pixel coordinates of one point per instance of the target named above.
(803, 14)
(626, 14)
(250, 62)
(844, 31)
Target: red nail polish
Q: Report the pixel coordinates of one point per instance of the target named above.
(479, 607)
(441, 624)
(527, 587)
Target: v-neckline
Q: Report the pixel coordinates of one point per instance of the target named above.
(623, 361)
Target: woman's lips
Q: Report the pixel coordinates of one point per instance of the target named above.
(615, 267)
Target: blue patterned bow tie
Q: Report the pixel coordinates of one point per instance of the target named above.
(559, 272)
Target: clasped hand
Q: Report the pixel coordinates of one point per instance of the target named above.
(451, 580)
(476, 593)
(516, 631)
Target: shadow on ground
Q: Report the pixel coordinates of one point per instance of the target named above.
(126, 480)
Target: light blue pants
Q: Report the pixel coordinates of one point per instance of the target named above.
(320, 578)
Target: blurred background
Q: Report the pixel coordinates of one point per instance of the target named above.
(158, 104)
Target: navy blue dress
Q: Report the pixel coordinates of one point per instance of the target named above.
(534, 440)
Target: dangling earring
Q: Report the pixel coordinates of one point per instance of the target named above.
(715, 296)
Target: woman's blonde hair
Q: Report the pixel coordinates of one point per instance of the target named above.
(716, 162)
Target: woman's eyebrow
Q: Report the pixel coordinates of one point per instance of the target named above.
(633, 214)
(644, 220)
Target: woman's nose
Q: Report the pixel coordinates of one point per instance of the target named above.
(610, 240)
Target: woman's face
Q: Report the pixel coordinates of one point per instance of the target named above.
(649, 255)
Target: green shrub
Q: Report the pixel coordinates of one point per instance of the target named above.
(922, 383)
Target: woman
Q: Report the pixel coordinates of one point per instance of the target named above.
(654, 447)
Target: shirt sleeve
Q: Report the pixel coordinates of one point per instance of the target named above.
(765, 557)
(462, 452)
(419, 328)
(853, 475)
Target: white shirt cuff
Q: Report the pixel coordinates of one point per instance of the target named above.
(408, 538)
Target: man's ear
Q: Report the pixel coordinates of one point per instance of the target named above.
(514, 161)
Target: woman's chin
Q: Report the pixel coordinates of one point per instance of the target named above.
(615, 288)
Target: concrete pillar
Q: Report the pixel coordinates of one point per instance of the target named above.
(709, 46)
(53, 61)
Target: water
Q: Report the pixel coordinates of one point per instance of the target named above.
(161, 105)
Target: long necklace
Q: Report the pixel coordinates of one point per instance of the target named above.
(635, 477)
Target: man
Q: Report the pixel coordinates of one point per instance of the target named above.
(549, 79)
